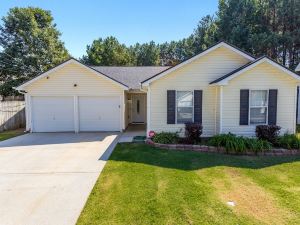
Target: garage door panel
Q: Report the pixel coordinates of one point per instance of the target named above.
(99, 113)
(53, 114)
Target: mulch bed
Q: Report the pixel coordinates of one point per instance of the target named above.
(213, 149)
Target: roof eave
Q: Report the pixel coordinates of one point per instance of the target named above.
(23, 86)
(221, 83)
(226, 80)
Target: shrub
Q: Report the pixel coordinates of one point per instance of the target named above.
(193, 132)
(269, 133)
(289, 141)
(220, 139)
(257, 145)
(166, 138)
(229, 141)
(237, 144)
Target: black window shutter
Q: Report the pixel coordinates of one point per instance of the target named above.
(198, 106)
(171, 106)
(244, 106)
(272, 110)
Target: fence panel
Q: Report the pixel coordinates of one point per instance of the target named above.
(12, 115)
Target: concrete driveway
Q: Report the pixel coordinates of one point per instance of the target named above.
(46, 178)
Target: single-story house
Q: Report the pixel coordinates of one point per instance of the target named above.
(223, 87)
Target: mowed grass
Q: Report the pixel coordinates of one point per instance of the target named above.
(10, 134)
(144, 185)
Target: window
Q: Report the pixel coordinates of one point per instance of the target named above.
(258, 106)
(184, 103)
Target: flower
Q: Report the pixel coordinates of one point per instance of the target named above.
(151, 134)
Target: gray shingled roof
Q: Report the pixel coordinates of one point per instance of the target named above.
(131, 76)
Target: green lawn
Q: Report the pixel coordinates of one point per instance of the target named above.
(144, 185)
(10, 134)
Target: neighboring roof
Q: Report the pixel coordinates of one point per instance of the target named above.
(208, 50)
(132, 76)
(298, 68)
(71, 60)
(224, 79)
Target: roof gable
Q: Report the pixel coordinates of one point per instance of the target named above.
(71, 60)
(226, 78)
(212, 48)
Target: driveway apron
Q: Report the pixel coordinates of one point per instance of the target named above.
(46, 178)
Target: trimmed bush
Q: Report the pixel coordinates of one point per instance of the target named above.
(238, 144)
(289, 141)
(193, 132)
(166, 138)
(269, 133)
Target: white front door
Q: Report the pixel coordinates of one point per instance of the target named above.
(138, 108)
(99, 113)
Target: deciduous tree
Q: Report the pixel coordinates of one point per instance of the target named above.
(30, 45)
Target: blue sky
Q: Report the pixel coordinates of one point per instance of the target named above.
(130, 21)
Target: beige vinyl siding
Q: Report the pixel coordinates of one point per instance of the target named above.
(261, 77)
(194, 76)
(61, 83)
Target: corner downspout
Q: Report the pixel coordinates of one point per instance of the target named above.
(148, 109)
(216, 110)
(221, 109)
(296, 109)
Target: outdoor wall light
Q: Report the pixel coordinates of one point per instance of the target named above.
(75, 85)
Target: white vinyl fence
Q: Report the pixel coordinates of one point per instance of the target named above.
(12, 115)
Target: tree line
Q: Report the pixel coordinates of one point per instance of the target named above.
(31, 42)
(260, 27)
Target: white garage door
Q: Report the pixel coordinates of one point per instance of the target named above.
(99, 113)
(52, 114)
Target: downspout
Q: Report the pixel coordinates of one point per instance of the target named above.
(297, 105)
(148, 110)
(296, 110)
(216, 109)
(221, 109)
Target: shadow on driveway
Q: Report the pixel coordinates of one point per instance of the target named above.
(33, 139)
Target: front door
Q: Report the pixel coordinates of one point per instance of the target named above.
(138, 108)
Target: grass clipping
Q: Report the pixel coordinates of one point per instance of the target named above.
(250, 199)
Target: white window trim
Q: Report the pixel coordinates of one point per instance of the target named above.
(267, 107)
(188, 106)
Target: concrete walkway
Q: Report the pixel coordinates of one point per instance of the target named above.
(132, 131)
(47, 178)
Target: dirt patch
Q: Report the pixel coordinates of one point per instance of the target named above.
(250, 199)
(111, 182)
(161, 187)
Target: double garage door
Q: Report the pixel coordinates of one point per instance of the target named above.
(64, 114)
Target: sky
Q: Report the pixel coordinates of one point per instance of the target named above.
(130, 21)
